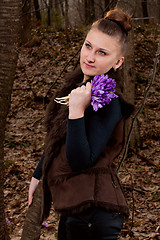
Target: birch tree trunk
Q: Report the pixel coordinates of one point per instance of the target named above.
(9, 28)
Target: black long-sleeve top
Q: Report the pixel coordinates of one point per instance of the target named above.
(87, 136)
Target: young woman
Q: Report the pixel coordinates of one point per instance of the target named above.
(81, 144)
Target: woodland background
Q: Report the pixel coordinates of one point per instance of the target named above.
(39, 43)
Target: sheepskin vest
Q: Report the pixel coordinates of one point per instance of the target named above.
(72, 192)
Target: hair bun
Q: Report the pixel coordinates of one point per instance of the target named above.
(119, 16)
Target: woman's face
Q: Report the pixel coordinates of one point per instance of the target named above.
(100, 52)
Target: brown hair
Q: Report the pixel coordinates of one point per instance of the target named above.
(115, 23)
(56, 123)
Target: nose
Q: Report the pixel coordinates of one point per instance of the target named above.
(90, 57)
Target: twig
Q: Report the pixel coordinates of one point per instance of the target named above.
(142, 18)
(40, 9)
(62, 72)
(133, 200)
(143, 158)
(70, 61)
(109, 4)
(133, 205)
(140, 191)
(140, 109)
(34, 94)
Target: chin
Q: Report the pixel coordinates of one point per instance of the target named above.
(88, 72)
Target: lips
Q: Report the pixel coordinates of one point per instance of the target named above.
(88, 65)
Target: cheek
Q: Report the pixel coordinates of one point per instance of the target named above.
(82, 57)
(104, 66)
(107, 63)
(83, 53)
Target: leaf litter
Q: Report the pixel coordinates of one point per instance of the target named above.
(37, 69)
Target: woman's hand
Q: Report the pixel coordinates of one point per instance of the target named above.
(32, 188)
(79, 100)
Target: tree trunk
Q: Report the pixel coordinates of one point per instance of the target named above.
(128, 72)
(26, 22)
(61, 7)
(89, 11)
(92, 10)
(107, 2)
(145, 10)
(49, 12)
(128, 6)
(113, 3)
(9, 27)
(66, 19)
(37, 10)
(32, 224)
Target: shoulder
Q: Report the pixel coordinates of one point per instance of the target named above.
(113, 107)
(109, 112)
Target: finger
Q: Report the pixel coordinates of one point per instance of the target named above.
(72, 91)
(88, 85)
(83, 87)
(75, 90)
(30, 197)
(30, 201)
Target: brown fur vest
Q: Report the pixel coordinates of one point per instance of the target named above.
(99, 185)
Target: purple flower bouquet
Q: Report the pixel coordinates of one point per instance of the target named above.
(102, 92)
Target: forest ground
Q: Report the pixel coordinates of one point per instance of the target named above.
(39, 65)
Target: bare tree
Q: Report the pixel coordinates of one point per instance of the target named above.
(66, 19)
(129, 6)
(9, 26)
(107, 2)
(89, 10)
(145, 10)
(26, 22)
(37, 10)
(48, 6)
(128, 72)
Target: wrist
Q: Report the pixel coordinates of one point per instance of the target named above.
(74, 114)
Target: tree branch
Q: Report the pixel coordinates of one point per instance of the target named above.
(62, 72)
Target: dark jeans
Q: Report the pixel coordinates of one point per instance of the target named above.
(92, 224)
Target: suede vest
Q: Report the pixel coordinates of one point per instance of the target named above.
(72, 192)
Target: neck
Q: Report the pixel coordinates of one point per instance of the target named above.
(85, 79)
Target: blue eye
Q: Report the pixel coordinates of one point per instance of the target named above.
(102, 53)
(88, 45)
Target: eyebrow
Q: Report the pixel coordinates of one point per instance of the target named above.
(103, 49)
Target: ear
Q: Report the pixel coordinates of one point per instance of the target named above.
(118, 63)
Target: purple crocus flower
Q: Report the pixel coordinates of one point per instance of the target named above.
(45, 224)
(102, 91)
(8, 222)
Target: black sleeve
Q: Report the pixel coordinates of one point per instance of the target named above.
(38, 171)
(87, 136)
